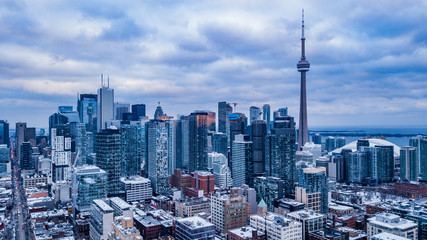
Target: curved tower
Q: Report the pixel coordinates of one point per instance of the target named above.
(303, 66)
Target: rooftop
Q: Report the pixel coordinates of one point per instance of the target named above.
(104, 206)
(387, 236)
(134, 180)
(195, 222)
(245, 232)
(372, 143)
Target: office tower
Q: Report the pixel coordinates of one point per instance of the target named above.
(266, 115)
(229, 211)
(5, 165)
(420, 142)
(87, 108)
(312, 189)
(238, 124)
(336, 168)
(108, 158)
(4, 133)
(136, 188)
(219, 143)
(330, 144)
(120, 109)
(198, 145)
(221, 170)
(105, 106)
(25, 161)
(357, 167)
(89, 183)
(224, 109)
(339, 142)
(254, 114)
(61, 153)
(171, 126)
(82, 142)
(280, 152)
(303, 67)
(139, 111)
(19, 137)
(269, 189)
(183, 142)
(380, 160)
(132, 148)
(277, 227)
(259, 133)
(159, 112)
(408, 164)
(194, 228)
(242, 169)
(157, 156)
(316, 139)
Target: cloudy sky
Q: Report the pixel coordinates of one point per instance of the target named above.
(368, 58)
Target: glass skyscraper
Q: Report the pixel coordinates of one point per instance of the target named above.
(87, 107)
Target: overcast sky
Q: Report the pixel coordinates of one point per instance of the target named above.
(368, 58)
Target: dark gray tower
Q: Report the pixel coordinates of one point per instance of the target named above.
(303, 67)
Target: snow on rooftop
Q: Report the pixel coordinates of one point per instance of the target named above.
(372, 143)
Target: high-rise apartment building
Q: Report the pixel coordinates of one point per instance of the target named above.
(199, 123)
(380, 163)
(356, 167)
(408, 164)
(132, 147)
(157, 156)
(269, 189)
(280, 152)
(229, 211)
(105, 108)
(312, 189)
(4, 133)
(172, 126)
(109, 157)
(224, 109)
(219, 143)
(61, 153)
(5, 164)
(242, 169)
(87, 106)
(420, 142)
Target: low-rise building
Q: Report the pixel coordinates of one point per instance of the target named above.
(387, 236)
(246, 233)
(192, 206)
(278, 227)
(136, 188)
(340, 210)
(194, 228)
(390, 223)
(123, 229)
(310, 220)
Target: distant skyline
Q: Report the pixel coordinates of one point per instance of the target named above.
(368, 58)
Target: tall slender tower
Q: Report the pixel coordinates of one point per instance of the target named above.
(303, 66)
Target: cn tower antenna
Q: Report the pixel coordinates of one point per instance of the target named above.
(303, 24)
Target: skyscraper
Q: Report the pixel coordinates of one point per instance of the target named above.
(138, 110)
(242, 169)
(303, 67)
(268, 189)
(408, 163)
(420, 142)
(157, 156)
(159, 112)
(87, 107)
(105, 105)
(61, 153)
(4, 133)
(254, 114)
(132, 147)
(224, 109)
(266, 115)
(198, 141)
(259, 133)
(120, 109)
(313, 189)
(280, 152)
(108, 158)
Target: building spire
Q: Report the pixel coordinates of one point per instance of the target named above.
(302, 38)
(303, 24)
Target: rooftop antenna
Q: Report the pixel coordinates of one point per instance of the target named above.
(302, 38)
(303, 23)
(108, 79)
(102, 80)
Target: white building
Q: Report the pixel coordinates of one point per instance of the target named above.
(278, 227)
(61, 154)
(390, 223)
(387, 236)
(101, 220)
(136, 188)
(239, 160)
(310, 221)
(194, 228)
(221, 170)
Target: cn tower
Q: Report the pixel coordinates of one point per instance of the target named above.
(303, 66)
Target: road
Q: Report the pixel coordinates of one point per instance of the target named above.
(22, 226)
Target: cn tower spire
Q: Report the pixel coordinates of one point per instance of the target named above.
(303, 66)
